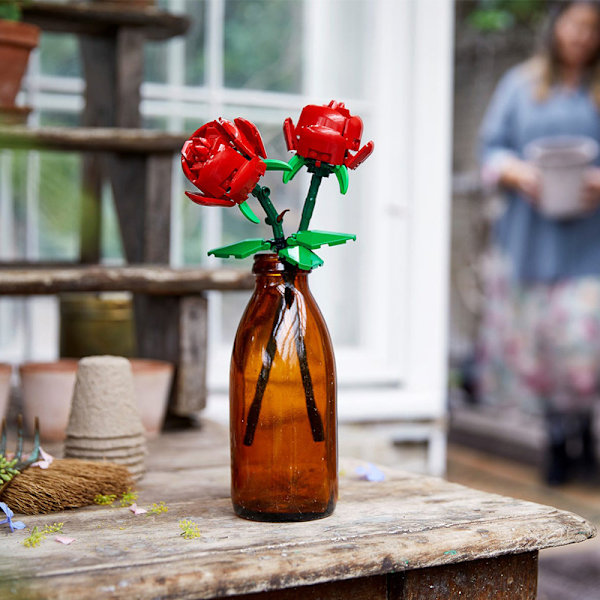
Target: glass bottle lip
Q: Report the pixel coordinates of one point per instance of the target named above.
(269, 263)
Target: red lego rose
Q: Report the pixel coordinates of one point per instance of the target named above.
(327, 134)
(222, 159)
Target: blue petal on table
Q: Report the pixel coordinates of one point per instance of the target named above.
(9, 515)
(370, 472)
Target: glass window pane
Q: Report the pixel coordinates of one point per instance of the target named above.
(59, 201)
(59, 55)
(263, 45)
(194, 42)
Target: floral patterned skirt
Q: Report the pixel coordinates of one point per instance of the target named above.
(539, 344)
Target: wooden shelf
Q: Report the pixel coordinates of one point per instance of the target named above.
(104, 19)
(92, 139)
(153, 280)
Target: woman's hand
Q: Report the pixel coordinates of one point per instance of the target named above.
(591, 188)
(522, 177)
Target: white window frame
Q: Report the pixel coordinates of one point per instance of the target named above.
(399, 369)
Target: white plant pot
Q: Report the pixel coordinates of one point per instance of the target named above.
(5, 373)
(562, 161)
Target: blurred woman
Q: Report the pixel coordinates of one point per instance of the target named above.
(541, 328)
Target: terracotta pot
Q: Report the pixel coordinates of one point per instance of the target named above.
(16, 42)
(47, 392)
(5, 372)
(152, 382)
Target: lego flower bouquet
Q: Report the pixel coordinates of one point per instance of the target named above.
(226, 161)
(282, 379)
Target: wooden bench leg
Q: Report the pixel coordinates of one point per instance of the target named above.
(508, 577)
(175, 329)
(193, 340)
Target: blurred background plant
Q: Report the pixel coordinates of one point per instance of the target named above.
(488, 16)
(11, 9)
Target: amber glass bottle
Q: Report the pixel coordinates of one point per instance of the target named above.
(283, 401)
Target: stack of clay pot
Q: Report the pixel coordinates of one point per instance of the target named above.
(104, 423)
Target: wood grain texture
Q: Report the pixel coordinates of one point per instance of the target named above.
(190, 382)
(509, 577)
(104, 19)
(147, 279)
(92, 139)
(404, 523)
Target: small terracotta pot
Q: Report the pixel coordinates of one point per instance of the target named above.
(16, 42)
(47, 392)
(5, 373)
(152, 383)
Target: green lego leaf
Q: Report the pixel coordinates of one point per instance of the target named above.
(341, 172)
(248, 212)
(296, 163)
(316, 239)
(241, 249)
(276, 165)
(301, 257)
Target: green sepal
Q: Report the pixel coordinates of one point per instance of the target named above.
(248, 212)
(241, 249)
(276, 165)
(301, 257)
(341, 172)
(316, 239)
(295, 164)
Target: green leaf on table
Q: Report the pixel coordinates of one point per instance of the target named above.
(316, 239)
(241, 249)
(301, 257)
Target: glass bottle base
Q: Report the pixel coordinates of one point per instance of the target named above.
(278, 517)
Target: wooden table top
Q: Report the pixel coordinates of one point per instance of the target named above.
(406, 522)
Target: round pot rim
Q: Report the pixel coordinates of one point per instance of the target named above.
(150, 364)
(17, 33)
(62, 365)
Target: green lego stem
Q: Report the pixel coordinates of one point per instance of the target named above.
(262, 195)
(309, 203)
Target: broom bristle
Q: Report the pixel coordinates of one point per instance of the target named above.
(66, 483)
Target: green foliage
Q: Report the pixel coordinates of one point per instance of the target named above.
(10, 10)
(500, 15)
(7, 470)
(263, 45)
(157, 509)
(128, 498)
(104, 499)
(35, 539)
(189, 529)
(37, 536)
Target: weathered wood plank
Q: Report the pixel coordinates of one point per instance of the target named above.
(91, 139)
(404, 523)
(129, 56)
(147, 279)
(190, 384)
(104, 19)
